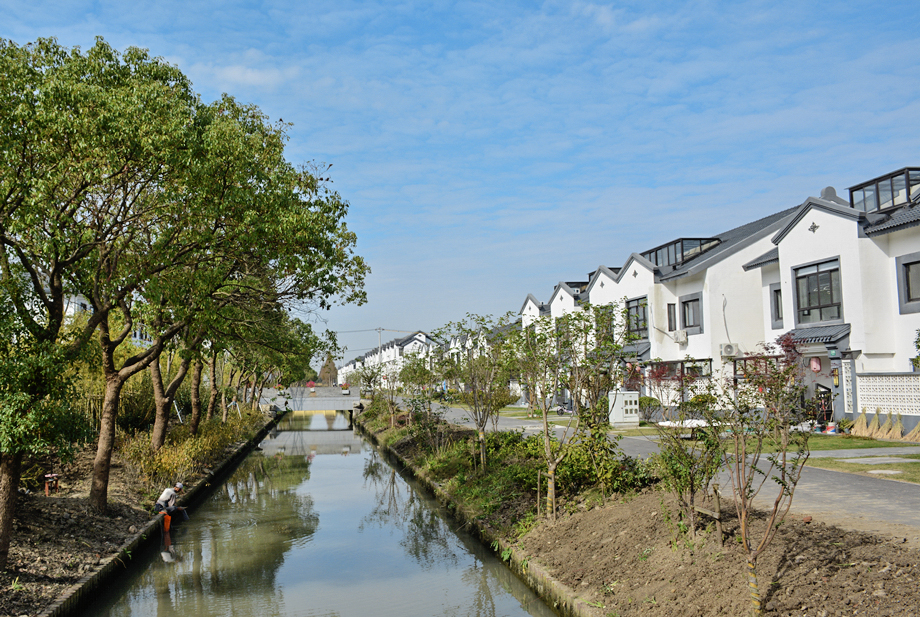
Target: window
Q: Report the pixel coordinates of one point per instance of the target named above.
(681, 371)
(672, 317)
(912, 276)
(908, 273)
(691, 309)
(637, 314)
(818, 296)
(776, 306)
(894, 189)
(691, 313)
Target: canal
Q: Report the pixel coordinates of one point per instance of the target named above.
(318, 524)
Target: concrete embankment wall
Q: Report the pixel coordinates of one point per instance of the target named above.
(562, 598)
(76, 597)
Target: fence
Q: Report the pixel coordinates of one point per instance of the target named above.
(890, 392)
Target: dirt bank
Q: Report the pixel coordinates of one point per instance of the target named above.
(58, 540)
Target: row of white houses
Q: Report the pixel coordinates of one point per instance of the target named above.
(840, 274)
(390, 356)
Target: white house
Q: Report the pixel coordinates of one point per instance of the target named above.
(843, 277)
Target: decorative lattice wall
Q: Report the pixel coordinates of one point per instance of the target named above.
(895, 393)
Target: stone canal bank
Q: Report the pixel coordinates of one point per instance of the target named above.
(620, 559)
(62, 551)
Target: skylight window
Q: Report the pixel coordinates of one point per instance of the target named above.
(887, 191)
(681, 250)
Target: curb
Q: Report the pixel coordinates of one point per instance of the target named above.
(562, 598)
(76, 597)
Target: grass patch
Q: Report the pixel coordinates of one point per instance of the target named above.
(819, 442)
(910, 472)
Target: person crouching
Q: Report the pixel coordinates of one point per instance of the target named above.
(167, 502)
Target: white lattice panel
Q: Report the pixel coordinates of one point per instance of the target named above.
(890, 393)
(848, 387)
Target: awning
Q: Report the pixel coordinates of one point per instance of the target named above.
(821, 334)
(637, 351)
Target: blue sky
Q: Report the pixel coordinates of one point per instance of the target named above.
(489, 150)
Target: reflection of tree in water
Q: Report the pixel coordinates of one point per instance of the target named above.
(483, 604)
(426, 537)
(231, 569)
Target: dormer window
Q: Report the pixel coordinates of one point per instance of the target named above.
(679, 251)
(887, 191)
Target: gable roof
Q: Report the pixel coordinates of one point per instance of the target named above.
(531, 298)
(612, 274)
(816, 203)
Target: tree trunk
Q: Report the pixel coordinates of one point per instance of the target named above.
(99, 490)
(197, 367)
(482, 448)
(163, 397)
(223, 398)
(212, 401)
(251, 391)
(261, 388)
(10, 470)
(551, 492)
(752, 584)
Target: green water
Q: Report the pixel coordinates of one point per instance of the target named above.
(317, 524)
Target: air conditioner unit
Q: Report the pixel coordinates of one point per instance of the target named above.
(680, 337)
(728, 350)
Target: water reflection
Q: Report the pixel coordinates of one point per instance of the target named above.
(427, 538)
(301, 530)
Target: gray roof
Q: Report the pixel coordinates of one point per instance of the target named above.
(639, 350)
(729, 242)
(901, 219)
(821, 334)
(769, 257)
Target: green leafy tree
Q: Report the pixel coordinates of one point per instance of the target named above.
(214, 257)
(538, 362)
(84, 140)
(479, 364)
(592, 344)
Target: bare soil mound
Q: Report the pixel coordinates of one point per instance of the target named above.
(623, 559)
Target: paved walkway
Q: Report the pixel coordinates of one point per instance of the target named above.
(847, 500)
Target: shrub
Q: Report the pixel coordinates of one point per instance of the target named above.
(183, 455)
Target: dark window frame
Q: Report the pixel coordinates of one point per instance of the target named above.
(672, 317)
(906, 306)
(637, 317)
(684, 301)
(797, 301)
(776, 308)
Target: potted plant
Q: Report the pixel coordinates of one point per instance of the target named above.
(345, 389)
(844, 425)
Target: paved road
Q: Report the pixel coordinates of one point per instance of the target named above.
(850, 501)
